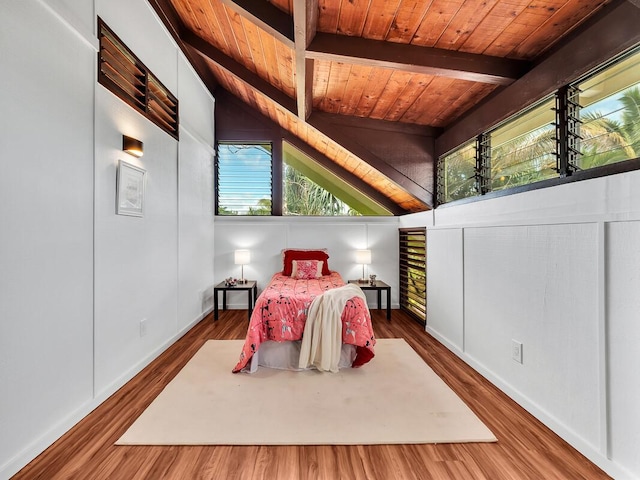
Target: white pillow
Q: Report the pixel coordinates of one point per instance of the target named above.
(306, 269)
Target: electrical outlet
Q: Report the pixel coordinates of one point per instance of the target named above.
(143, 327)
(516, 351)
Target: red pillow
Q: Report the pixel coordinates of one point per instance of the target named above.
(291, 255)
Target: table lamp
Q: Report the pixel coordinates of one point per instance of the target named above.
(363, 257)
(242, 258)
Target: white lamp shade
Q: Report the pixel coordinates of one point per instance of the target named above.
(242, 257)
(363, 257)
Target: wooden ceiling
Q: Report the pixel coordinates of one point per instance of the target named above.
(403, 62)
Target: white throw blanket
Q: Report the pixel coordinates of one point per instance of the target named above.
(322, 338)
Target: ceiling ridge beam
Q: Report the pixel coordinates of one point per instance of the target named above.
(416, 59)
(305, 21)
(266, 16)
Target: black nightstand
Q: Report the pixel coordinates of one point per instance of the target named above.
(250, 286)
(379, 286)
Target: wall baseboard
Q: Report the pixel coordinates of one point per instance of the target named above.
(590, 451)
(39, 445)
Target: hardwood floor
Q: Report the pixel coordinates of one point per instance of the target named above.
(525, 448)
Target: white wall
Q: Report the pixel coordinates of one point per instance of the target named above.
(75, 278)
(558, 270)
(265, 237)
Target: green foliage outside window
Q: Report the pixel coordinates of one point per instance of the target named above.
(459, 171)
(523, 150)
(610, 114)
(304, 197)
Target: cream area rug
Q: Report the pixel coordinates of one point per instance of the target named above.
(396, 398)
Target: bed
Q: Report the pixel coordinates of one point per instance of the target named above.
(279, 316)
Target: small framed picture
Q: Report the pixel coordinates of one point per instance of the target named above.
(130, 186)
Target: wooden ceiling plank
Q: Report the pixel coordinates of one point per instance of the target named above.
(395, 86)
(267, 16)
(241, 72)
(271, 60)
(353, 14)
(411, 92)
(328, 21)
(464, 23)
(221, 30)
(529, 21)
(378, 80)
(305, 21)
(488, 30)
(337, 82)
(380, 18)
(357, 84)
(459, 105)
(243, 42)
(408, 19)
(257, 51)
(427, 105)
(559, 24)
(320, 81)
(436, 20)
(287, 68)
(410, 58)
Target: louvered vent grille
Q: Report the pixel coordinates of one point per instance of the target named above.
(120, 71)
(413, 272)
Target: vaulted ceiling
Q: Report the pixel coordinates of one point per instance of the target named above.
(403, 69)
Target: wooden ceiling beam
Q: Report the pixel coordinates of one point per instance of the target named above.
(416, 59)
(208, 51)
(305, 21)
(263, 87)
(267, 17)
(320, 123)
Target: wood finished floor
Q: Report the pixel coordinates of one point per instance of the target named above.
(525, 448)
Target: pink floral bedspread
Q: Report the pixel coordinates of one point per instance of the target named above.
(280, 314)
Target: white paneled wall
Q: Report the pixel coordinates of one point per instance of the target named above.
(623, 321)
(558, 270)
(445, 301)
(266, 237)
(46, 231)
(75, 278)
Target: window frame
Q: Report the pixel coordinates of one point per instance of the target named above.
(275, 182)
(277, 179)
(565, 141)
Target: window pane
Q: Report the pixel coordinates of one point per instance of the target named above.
(302, 196)
(523, 150)
(610, 114)
(459, 173)
(244, 179)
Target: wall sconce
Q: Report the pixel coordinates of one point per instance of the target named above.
(363, 257)
(132, 146)
(242, 258)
